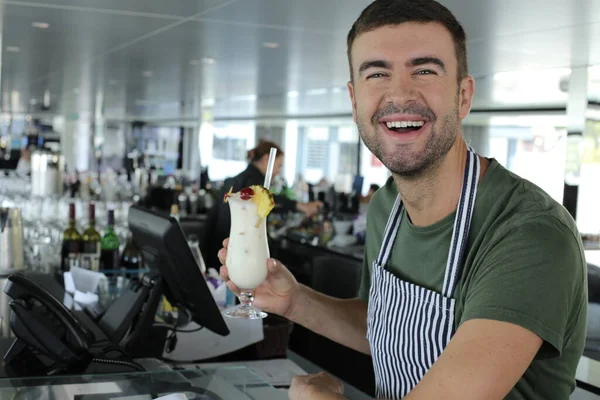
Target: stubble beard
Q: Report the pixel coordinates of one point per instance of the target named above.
(401, 160)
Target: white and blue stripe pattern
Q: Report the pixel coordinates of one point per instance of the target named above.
(409, 326)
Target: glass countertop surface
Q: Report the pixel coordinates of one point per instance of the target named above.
(227, 383)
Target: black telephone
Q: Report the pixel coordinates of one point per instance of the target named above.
(41, 322)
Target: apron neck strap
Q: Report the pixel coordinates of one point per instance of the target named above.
(391, 230)
(462, 223)
(460, 233)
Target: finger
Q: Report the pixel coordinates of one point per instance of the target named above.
(226, 242)
(222, 254)
(300, 380)
(233, 288)
(224, 274)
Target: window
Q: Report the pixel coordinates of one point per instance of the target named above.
(588, 217)
(328, 152)
(536, 153)
(228, 148)
(316, 145)
(348, 160)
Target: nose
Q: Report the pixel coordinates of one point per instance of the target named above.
(401, 91)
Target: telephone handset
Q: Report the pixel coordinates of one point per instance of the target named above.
(43, 323)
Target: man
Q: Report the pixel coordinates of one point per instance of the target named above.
(474, 284)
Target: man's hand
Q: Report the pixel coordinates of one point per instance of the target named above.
(310, 209)
(321, 386)
(275, 294)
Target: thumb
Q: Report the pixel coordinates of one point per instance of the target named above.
(274, 266)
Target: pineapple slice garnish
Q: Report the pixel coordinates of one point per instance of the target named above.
(263, 199)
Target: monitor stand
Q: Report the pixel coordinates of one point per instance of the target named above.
(134, 312)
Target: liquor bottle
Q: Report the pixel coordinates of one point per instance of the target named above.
(90, 243)
(110, 258)
(131, 260)
(70, 242)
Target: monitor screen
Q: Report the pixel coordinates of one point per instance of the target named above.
(166, 252)
(357, 185)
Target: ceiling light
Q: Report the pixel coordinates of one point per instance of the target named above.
(317, 92)
(208, 60)
(40, 25)
(13, 49)
(293, 94)
(209, 102)
(46, 100)
(147, 74)
(271, 45)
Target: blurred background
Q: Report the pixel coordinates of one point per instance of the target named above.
(188, 86)
(157, 102)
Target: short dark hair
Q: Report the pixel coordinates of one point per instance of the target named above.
(394, 12)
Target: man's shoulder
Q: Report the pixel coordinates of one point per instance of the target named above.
(518, 222)
(507, 202)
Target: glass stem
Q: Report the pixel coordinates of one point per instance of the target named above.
(246, 299)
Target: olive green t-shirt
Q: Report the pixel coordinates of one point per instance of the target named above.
(524, 264)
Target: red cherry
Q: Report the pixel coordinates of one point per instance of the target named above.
(246, 193)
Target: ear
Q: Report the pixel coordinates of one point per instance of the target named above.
(352, 99)
(465, 96)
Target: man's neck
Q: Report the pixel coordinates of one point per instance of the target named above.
(435, 195)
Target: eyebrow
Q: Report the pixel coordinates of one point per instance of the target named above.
(415, 62)
(374, 64)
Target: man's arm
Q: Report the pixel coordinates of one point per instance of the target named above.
(483, 361)
(343, 321)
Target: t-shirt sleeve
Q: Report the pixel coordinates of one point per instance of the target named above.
(532, 277)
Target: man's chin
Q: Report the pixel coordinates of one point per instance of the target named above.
(405, 167)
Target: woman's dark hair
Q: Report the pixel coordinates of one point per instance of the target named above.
(263, 147)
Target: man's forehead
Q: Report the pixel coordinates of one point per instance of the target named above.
(415, 33)
(408, 36)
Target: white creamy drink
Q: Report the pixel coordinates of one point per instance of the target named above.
(248, 250)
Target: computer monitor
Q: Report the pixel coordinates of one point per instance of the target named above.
(166, 253)
(357, 184)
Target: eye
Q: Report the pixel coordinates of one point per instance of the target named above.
(376, 75)
(425, 72)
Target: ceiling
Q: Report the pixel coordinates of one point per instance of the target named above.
(170, 60)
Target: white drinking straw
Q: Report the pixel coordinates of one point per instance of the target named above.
(269, 174)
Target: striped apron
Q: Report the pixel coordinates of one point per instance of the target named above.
(408, 325)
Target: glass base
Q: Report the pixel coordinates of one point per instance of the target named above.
(245, 312)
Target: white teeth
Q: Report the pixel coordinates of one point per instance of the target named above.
(404, 124)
